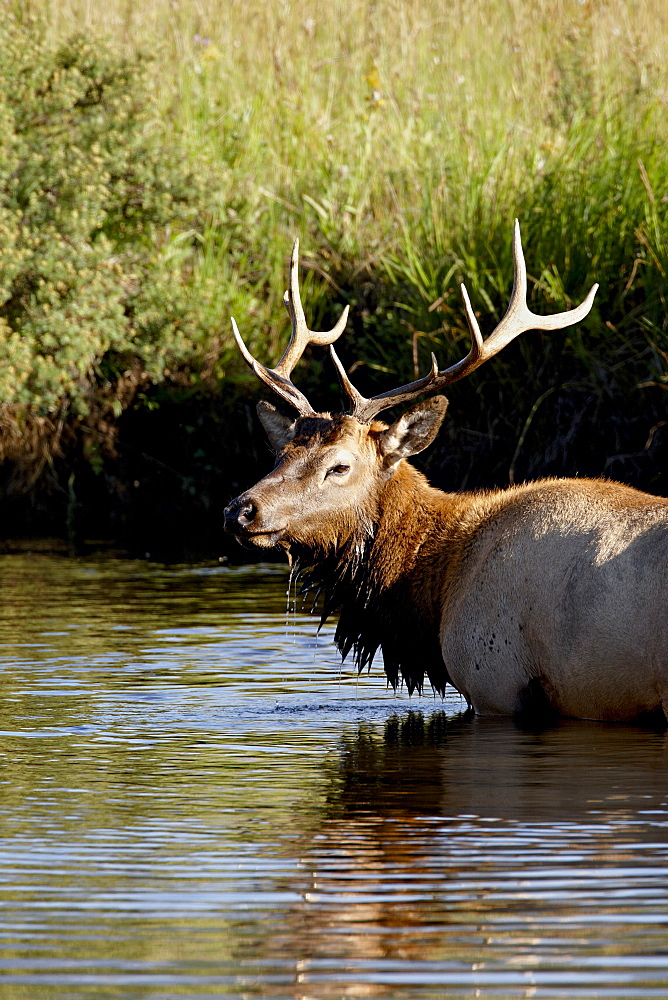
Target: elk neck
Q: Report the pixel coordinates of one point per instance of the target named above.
(387, 579)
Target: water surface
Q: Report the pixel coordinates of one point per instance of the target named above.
(197, 801)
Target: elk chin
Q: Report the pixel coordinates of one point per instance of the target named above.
(260, 539)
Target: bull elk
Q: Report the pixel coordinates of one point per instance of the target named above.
(549, 596)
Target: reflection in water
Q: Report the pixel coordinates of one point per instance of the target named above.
(197, 802)
(513, 860)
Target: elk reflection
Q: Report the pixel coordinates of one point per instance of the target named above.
(471, 843)
(471, 766)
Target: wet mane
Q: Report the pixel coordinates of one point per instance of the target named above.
(372, 615)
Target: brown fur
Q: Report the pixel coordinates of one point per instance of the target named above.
(551, 594)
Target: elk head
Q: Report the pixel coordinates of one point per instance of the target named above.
(330, 470)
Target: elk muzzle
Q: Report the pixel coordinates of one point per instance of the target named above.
(245, 520)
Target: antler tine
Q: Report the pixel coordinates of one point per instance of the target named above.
(356, 398)
(281, 385)
(278, 378)
(301, 335)
(518, 319)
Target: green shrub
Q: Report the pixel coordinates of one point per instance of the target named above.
(93, 297)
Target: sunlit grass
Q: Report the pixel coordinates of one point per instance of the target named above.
(397, 130)
(399, 139)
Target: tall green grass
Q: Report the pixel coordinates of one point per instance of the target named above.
(399, 139)
(385, 133)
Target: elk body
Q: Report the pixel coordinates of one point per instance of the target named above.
(551, 596)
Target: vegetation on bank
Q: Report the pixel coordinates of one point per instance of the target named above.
(157, 161)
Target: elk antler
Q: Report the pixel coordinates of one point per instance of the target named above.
(517, 320)
(278, 378)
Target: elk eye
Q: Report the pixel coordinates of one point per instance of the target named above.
(338, 470)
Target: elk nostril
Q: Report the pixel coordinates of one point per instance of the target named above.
(239, 513)
(246, 513)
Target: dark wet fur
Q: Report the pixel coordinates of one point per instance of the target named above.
(372, 618)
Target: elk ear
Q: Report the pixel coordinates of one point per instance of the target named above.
(413, 432)
(279, 428)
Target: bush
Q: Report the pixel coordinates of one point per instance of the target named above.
(94, 240)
